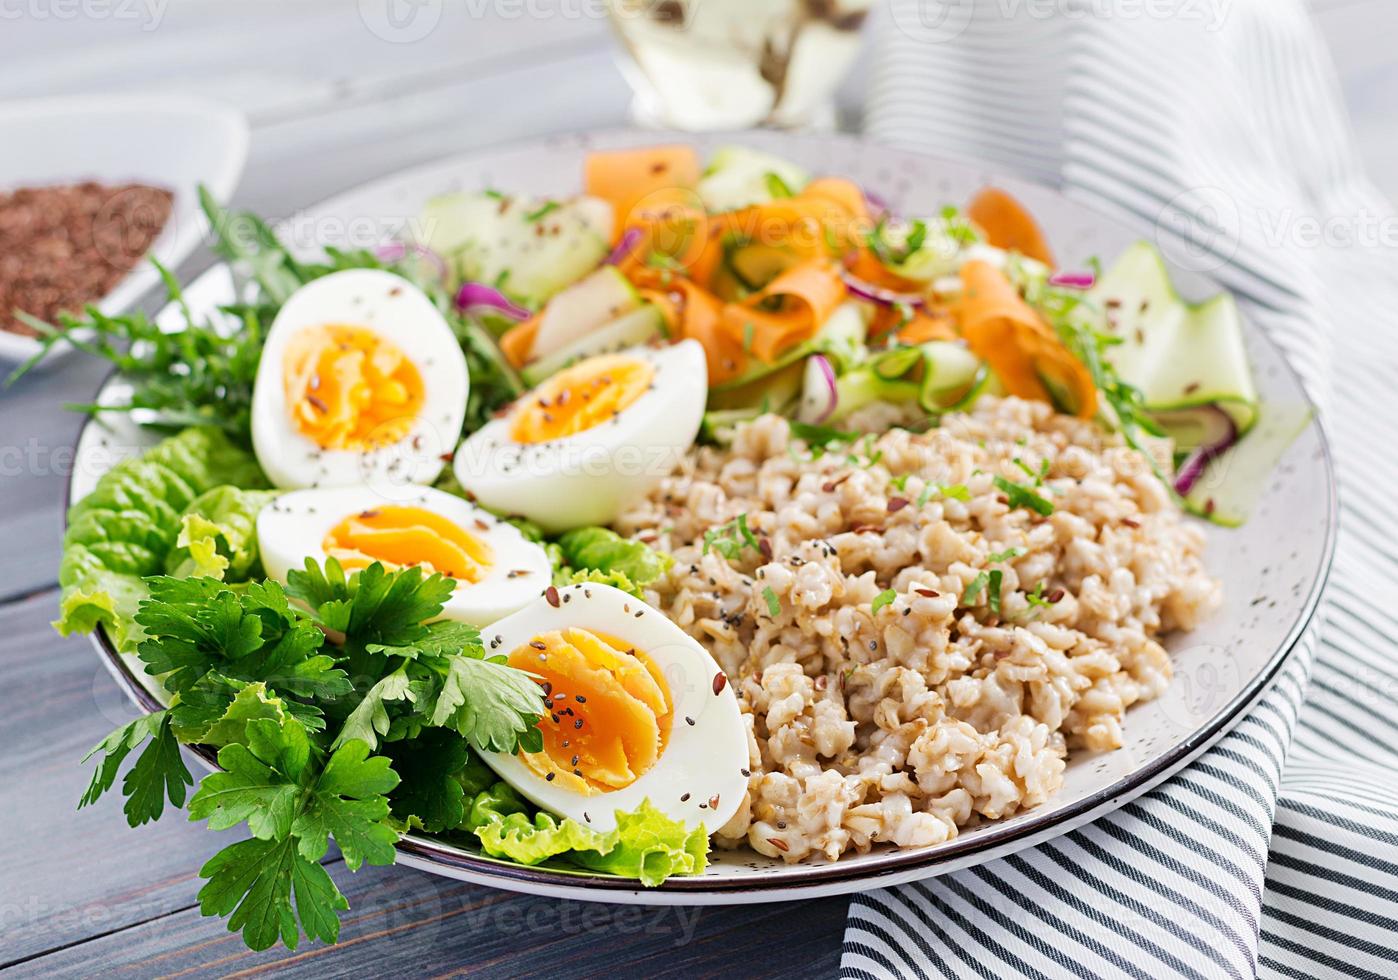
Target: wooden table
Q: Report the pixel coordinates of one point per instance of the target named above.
(333, 103)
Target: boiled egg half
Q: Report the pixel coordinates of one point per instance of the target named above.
(497, 570)
(361, 380)
(636, 710)
(591, 439)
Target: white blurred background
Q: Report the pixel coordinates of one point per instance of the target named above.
(339, 92)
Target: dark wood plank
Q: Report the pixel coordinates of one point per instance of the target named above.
(403, 922)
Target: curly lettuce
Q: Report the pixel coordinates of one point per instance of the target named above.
(646, 844)
(596, 554)
(141, 511)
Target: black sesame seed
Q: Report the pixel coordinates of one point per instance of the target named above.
(578, 723)
(548, 777)
(688, 720)
(684, 798)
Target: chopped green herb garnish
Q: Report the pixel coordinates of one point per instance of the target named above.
(952, 491)
(542, 212)
(900, 482)
(996, 582)
(1036, 597)
(1022, 496)
(774, 605)
(731, 538)
(883, 599)
(974, 589)
(1005, 555)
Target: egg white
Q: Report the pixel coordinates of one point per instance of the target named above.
(394, 308)
(293, 527)
(592, 476)
(707, 752)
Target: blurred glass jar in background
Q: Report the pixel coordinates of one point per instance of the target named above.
(733, 64)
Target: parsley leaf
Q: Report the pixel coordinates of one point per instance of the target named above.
(252, 882)
(493, 705)
(159, 771)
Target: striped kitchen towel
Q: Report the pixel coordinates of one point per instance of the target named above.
(1276, 854)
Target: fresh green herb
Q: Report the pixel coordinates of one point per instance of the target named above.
(774, 605)
(899, 482)
(731, 538)
(995, 583)
(268, 684)
(915, 238)
(989, 582)
(1036, 597)
(819, 437)
(976, 586)
(952, 491)
(958, 227)
(542, 211)
(777, 187)
(1005, 555)
(1022, 496)
(882, 599)
(493, 194)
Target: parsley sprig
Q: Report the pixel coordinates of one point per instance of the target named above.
(299, 701)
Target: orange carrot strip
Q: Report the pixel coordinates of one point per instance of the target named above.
(641, 179)
(927, 326)
(808, 292)
(701, 318)
(1005, 332)
(1009, 225)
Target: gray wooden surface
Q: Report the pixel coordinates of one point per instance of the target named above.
(333, 102)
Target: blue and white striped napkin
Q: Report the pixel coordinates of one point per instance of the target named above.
(1276, 854)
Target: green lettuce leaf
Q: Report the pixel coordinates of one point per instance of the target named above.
(647, 844)
(126, 527)
(218, 535)
(596, 554)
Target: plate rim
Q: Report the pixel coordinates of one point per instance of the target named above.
(821, 878)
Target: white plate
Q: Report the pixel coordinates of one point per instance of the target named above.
(1272, 569)
(169, 141)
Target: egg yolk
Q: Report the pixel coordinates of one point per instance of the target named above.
(581, 397)
(608, 709)
(350, 388)
(397, 536)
